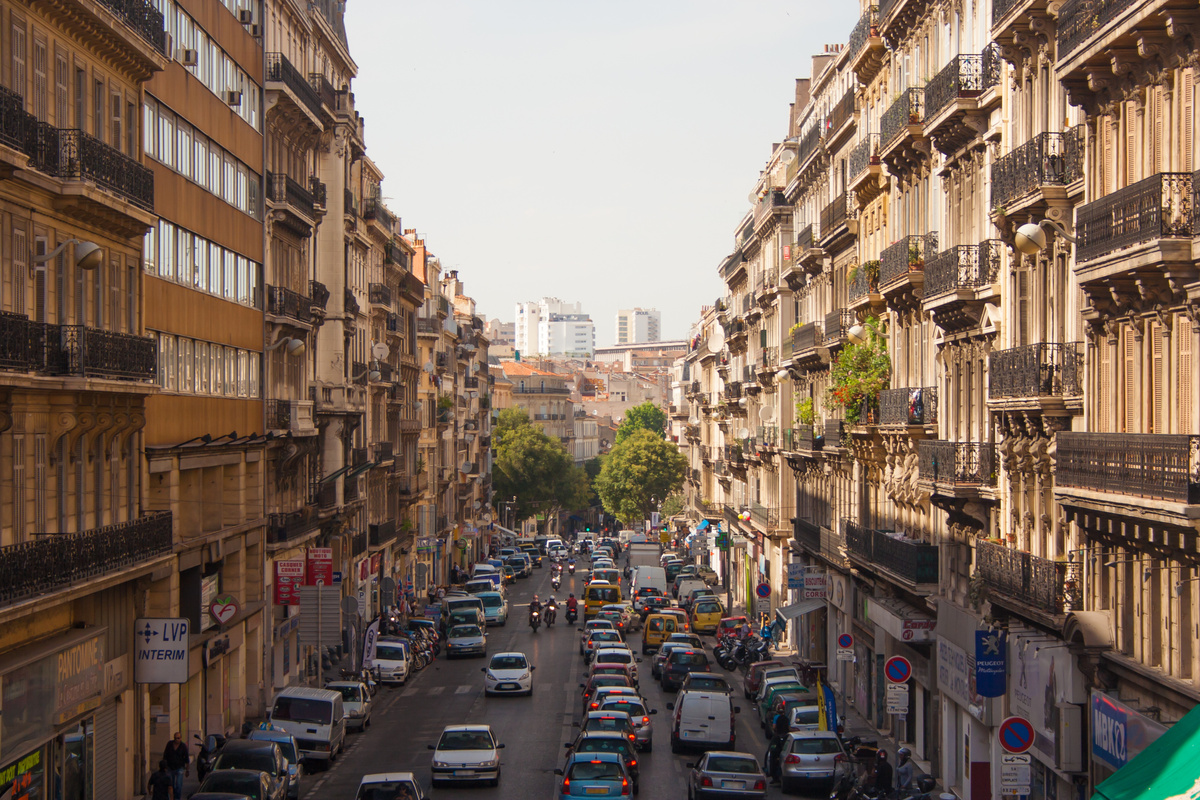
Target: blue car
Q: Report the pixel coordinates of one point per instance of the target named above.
(590, 775)
(495, 608)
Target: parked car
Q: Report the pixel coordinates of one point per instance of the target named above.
(249, 783)
(466, 753)
(754, 676)
(721, 774)
(811, 758)
(291, 754)
(356, 700)
(240, 755)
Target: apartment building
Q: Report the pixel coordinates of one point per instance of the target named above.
(999, 198)
(545, 397)
(636, 325)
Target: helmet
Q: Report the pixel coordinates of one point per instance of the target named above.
(535, 597)
(882, 754)
(904, 752)
(572, 595)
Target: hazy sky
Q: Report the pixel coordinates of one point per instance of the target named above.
(595, 151)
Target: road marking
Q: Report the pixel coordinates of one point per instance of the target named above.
(436, 690)
(463, 689)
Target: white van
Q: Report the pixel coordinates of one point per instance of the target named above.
(316, 718)
(648, 578)
(490, 573)
(702, 720)
(624, 537)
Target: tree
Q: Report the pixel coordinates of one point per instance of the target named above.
(510, 419)
(535, 469)
(672, 506)
(639, 472)
(646, 416)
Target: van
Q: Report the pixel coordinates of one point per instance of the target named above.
(316, 717)
(480, 585)
(391, 660)
(597, 595)
(488, 572)
(624, 537)
(656, 630)
(607, 575)
(648, 577)
(455, 602)
(687, 585)
(702, 720)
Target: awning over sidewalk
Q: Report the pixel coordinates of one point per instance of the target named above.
(503, 529)
(702, 526)
(1168, 769)
(788, 613)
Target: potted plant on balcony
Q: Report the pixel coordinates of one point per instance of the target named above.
(869, 269)
(916, 259)
(805, 411)
(860, 372)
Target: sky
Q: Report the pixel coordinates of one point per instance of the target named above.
(600, 152)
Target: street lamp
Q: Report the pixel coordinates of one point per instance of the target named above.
(88, 255)
(1030, 238)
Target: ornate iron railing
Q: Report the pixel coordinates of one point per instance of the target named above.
(833, 215)
(380, 533)
(280, 70)
(283, 302)
(282, 189)
(394, 254)
(967, 266)
(319, 191)
(428, 325)
(1000, 9)
(1080, 20)
(382, 451)
(841, 113)
(358, 373)
(907, 110)
(733, 391)
(1158, 207)
(861, 284)
(834, 430)
(808, 438)
(78, 350)
(1151, 465)
(279, 415)
(966, 76)
(864, 154)
(379, 294)
(358, 539)
(324, 90)
(145, 20)
(1048, 159)
(350, 303)
(910, 406)
(1050, 586)
(286, 527)
(807, 338)
(1044, 369)
(319, 295)
(838, 323)
(324, 495)
(52, 561)
(21, 342)
(16, 124)
(913, 560)
(862, 32)
(770, 201)
(905, 256)
(809, 143)
(968, 463)
(804, 240)
(373, 208)
(71, 153)
(808, 534)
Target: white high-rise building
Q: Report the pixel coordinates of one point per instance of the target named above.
(638, 325)
(550, 327)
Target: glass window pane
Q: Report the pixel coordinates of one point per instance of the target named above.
(200, 162)
(183, 260)
(149, 117)
(255, 366)
(230, 275)
(243, 373)
(200, 263)
(214, 269)
(243, 280)
(166, 137)
(218, 369)
(230, 372)
(166, 250)
(150, 251)
(183, 160)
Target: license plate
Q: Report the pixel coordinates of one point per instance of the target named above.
(733, 784)
(509, 686)
(597, 790)
(462, 773)
(692, 734)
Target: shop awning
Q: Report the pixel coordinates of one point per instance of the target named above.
(336, 474)
(798, 609)
(1168, 769)
(503, 529)
(702, 526)
(361, 468)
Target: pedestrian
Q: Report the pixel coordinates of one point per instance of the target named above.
(883, 774)
(176, 756)
(159, 786)
(904, 769)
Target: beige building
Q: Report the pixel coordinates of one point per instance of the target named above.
(546, 398)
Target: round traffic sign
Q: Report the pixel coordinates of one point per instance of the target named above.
(763, 590)
(1016, 734)
(897, 669)
(845, 641)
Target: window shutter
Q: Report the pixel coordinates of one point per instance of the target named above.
(1156, 378)
(1156, 97)
(41, 525)
(62, 91)
(40, 81)
(60, 288)
(1106, 393)
(98, 488)
(1129, 389)
(1183, 385)
(1131, 150)
(18, 59)
(20, 272)
(80, 486)
(18, 499)
(1023, 332)
(1189, 105)
(1107, 169)
(81, 310)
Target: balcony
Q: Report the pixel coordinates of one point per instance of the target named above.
(144, 19)
(287, 193)
(911, 406)
(808, 253)
(381, 534)
(1156, 211)
(324, 496)
(862, 285)
(373, 210)
(380, 295)
(326, 91)
(1036, 371)
(49, 562)
(807, 438)
(902, 269)
(953, 111)
(428, 325)
(350, 206)
(866, 47)
(295, 416)
(320, 193)
(808, 345)
(350, 304)
(319, 295)
(901, 135)
(1022, 581)
(772, 205)
(381, 452)
(291, 526)
(305, 105)
(358, 539)
(834, 220)
(913, 561)
(837, 122)
(865, 170)
(837, 326)
(394, 254)
(74, 155)
(1044, 165)
(834, 433)
(285, 303)
(1152, 466)
(1079, 21)
(959, 284)
(952, 464)
(810, 145)
(807, 534)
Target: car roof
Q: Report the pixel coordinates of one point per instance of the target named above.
(448, 728)
(733, 754)
(261, 735)
(602, 735)
(707, 676)
(234, 745)
(600, 650)
(512, 653)
(814, 734)
(342, 684)
(607, 714)
(388, 777)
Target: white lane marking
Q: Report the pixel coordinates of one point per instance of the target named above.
(436, 690)
(463, 689)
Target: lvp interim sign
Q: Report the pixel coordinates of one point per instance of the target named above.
(161, 650)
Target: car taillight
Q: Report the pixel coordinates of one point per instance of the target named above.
(595, 706)
(645, 720)
(633, 763)
(760, 785)
(624, 786)
(838, 757)
(792, 758)
(706, 781)
(566, 787)
(631, 737)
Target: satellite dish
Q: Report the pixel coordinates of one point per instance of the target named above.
(787, 156)
(752, 198)
(766, 413)
(478, 505)
(744, 433)
(428, 367)
(466, 466)
(716, 339)
(380, 351)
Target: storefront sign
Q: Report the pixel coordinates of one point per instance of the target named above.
(160, 650)
(320, 566)
(376, 562)
(956, 677)
(289, 575)
(991, 665)
(79, 678)
(795, 578)
(364, 569)
(1118, 732)
(902, 621)
(425, 544)
(23, 779)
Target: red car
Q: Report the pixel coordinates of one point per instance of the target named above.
(753, 679)
(731, 626)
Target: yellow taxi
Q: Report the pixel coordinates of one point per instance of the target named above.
(706, 614)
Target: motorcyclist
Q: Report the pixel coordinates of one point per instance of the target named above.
(572, 605)
(535, 605)
(571, 564)
(551, 610)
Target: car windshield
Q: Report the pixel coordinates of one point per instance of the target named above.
(350, 694)
(717, 684)
(742, 766)
(508, 662)
(234, 783)
(302, 709)
(595, 771)
(815, 746)
(389, 790)
(261, 761)
(461, 631)
(389, 652)
(286, 745)
(607, 724)
(606, 636)
(633, 709)
(708, 608)
(689, 659)
(465, 740)
(491, 601)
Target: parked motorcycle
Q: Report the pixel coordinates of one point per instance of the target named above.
(208, 752)
(535, 620)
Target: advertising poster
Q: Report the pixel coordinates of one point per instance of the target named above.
(289, 575)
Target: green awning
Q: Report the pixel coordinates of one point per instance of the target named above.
(333, 475)
(1168, 769)
(361, 468)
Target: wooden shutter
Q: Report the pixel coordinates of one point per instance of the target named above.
(18, 498)
(98, 487)
(1183, 382)
(62, 90)
(20, 271)
(60, 287)
(1105, 384)
(1023, 332)
(1106, 176)
(18, 58)
(1129, 382)
(1156, 107)
(1131, 152)
(1189, 105)
(1156, 378)
(81, 304)
(41, 524)
(80, 485)
(41, 81)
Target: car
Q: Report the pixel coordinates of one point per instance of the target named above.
(618, 656)
(243, 755)
(510, 574)
(250, 783)
(804, 717)
(726, 774)
(639, 598)
(590, 626)
(356, 700)
(606, 575)
(608, 742)
(784, 674)
(495, 608)
(811, 758)
(706, 613)
(678, 664)
(596, 681)
(766, 701)
(652, 604)
(600, 639)
(393, 657)
(519, 565)
(705, 682)
(615, 617)
(389, 786)
(591, 775)
(291, 754)
(624, 612)
(754, 676)
(690, 638)
(639, 714)
(657, 628)
(732, 626)
(464, 640)
(535, 556)
(508, 673)
(612, 721)
(708, 575)
(684, 622)
(661, 656)
(466, 753)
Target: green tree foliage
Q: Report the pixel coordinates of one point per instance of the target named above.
(672, 506)
(535, 469)
(859, 374)
(647, 416)
(640, 471)
(510, 419)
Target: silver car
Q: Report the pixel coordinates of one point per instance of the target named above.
(811, 757)
(722, 774)
(639, 715)
(466, 753)
(464, 640)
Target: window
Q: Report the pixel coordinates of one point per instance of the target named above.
(81, 101)
(18, 57)
(149, 122)
(62, 90)
(98, 109)
(117, 105)
(41, 105)
(131, 133)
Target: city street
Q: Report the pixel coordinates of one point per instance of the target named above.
(534, 729)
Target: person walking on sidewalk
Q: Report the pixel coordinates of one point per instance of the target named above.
(159, 786)
(176, 757)
(904, 769)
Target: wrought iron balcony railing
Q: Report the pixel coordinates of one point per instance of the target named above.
(1032, 581)
(282, 189)
(1080, 20)
(861, 284)
(79, 350)
(808, 438)
(350, 303)
(837, 324)
(1150, 465)
(907, 110)
(905, 256)
(1044, 369)
(807, 338)
(834, 430)
(283, 302)
(290, 526)
(957, 463)
(428, 325)
(70, 153)
(804, 241)
(1159, 207)
(51, 561)
(772, 200)
(913, 560)
(358, 539)
(862, 31)
(966, 76)
(967, 266)
(319, 190)
(841, 113)
(807, 533)
(394, 254)
(16, 124)
(324, 89)
(280, 70)
(809, 142)
(834, 215)
(279, 415)
(374, 209)
(910, 406)
(379, 294)
(380, 533)
(145, 20)
(1048, 159)
(864, 154)
(733, 391)
(1000, 9)
(350, 204)
(359, 373)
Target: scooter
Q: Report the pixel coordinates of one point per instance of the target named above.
(535, 620)
(571, 566)
(551, 613)
(572, 615)
(208, 753)
(555, 582)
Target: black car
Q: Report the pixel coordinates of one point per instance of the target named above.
(242, 782)
(679, 663)
(241, 755)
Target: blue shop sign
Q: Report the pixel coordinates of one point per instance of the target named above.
(1118, 732)
(991, 663)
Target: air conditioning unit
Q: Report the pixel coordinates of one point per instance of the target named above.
(256, 31)
(245, 16)
(188, 57)
(233, 97)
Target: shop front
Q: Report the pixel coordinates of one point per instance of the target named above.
(902, 629)
(967, 718)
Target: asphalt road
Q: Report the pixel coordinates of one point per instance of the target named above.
(406, 719)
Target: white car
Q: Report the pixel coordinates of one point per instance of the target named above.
(591, 627)
(387, 786)
(466, 753)
(356, 701)
(508, 673)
